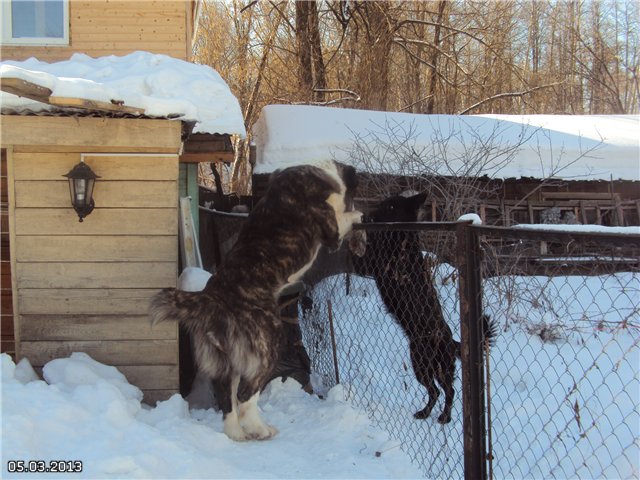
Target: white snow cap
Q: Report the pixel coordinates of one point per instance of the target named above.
(471, 217)
(566, 146)
(161, 85)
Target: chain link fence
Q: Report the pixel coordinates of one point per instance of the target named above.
(561, 379)
(561, 385)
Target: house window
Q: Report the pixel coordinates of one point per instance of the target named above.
(35, 22)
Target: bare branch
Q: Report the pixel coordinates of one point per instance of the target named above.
(507, 95)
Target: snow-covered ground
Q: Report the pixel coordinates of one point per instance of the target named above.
(564, 386)
(86, 411)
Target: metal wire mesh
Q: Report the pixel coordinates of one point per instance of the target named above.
(562, 387)
(564, 374)
(370, 351)
(562, 384)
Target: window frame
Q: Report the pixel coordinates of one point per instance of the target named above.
(7, 29)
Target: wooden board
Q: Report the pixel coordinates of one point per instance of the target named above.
(52, 166)
(152, 377)
(222, 157)
(102, 221)
(23, 88)
(94, 327)
(129, 352)
(110, 194)
(115, 105)
(161, 136)
(151, 397)
(107, 248)
(85, 301)
(96, 275)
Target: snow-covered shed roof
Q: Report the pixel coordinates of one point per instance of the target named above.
(538, 146)
(152, 84)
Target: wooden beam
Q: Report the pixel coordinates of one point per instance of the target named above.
(84, 104)
(23, 88)
(223, 157)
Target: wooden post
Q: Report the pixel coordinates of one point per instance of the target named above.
(333, 342)
(619, 211)
(473, 408)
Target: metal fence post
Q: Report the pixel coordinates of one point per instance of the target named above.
(473, 422)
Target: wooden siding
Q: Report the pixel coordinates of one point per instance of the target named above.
(118, 27)
(86, 286)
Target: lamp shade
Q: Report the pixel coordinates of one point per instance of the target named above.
(81, 181)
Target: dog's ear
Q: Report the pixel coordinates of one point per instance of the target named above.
(418, 200)
(349, 177)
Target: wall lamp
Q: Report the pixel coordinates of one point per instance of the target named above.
(81, 181)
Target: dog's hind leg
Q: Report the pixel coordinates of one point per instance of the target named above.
(433, 392)
(226, 391)
(251, 422)
(446, 382)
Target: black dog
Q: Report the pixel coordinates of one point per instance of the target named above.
(235, 321)
(402, 274)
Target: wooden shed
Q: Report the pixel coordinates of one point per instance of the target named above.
(506, 168)
(85, 286)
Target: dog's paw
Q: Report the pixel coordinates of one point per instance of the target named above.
(261, 432)
(443, 418)
(235, 433)
(357, 242)
(422, 414)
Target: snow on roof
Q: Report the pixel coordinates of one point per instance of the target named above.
(500, 146)
(161, 85)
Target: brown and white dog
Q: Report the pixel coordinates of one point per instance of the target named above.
(235, 321)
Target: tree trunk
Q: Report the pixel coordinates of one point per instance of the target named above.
(305, 70)
(431, 101)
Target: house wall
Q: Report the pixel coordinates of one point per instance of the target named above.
(86, 286)
(118, 27)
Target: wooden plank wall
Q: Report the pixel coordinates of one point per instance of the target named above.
(118, 27)
(86, 286)
(7, 338)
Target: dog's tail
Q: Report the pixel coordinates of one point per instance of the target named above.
(489, 334)
(190, 309)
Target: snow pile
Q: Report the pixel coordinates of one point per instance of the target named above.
(193, 279)
(571, 147)
(87, 411)
(161, 85)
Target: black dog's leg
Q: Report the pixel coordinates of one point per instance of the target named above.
(226, 391)
(445, 379)
(433, 392)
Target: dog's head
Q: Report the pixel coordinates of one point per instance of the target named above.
(317, 182)
(398, 209)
